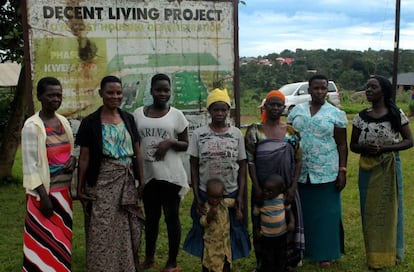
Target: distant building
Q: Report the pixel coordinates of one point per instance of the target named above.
(285, 60)
(405, 81)
(266, 62)
(244, 60)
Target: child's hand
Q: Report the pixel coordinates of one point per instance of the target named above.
(291, 227)
(290, 219)
(211, 214)
(213, 210)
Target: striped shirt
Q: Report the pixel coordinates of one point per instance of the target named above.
(58, 150)
(272, 216)
(34, 155)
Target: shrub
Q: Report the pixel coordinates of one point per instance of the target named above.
(6, 98)
(411, 108)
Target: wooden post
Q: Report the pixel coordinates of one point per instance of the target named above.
(396, 48)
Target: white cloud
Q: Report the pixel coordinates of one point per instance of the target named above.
(273, 26)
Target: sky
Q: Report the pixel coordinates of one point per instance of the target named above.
(271, 26)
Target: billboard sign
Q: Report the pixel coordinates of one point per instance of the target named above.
(79, 42)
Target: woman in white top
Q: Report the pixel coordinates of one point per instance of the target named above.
(163, 134)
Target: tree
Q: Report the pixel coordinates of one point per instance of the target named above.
(11, 49)
(11, 31)
(352, 80)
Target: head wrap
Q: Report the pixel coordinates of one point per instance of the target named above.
(218, 95)
(276, 93)
(273, 93)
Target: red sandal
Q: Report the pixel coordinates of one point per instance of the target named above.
(324, 264)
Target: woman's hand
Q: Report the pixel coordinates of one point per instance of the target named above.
(162, 149)
(240, 203)
(200, 208)
(239, 213)
(141, 189)
(70, 165)
(258, 195)
(373, 149)
(341, 180)
(85, 199)
(291, 192)
(46, 206)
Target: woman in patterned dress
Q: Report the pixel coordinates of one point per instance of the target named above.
(47, 143)
(109, 166)
(378, 133)
(322, 128)
(273, 147)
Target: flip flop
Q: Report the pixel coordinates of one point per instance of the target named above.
(324, 264)
(147, 265)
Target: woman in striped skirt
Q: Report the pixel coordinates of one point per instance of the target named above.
(47, 143)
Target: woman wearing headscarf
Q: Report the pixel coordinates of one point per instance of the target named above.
(217, 150)
(378, 134)
(47, 143)
(273, 147)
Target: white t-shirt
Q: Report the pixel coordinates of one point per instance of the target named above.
(154, 130)
(218, 155)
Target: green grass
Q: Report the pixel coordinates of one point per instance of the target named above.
(12, 209)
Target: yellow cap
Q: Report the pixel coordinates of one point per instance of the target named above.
(218, 95)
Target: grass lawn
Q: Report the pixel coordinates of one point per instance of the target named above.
(12, 208)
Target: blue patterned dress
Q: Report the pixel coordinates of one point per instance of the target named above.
(321, 201)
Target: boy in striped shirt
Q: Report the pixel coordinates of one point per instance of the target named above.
(274, 219)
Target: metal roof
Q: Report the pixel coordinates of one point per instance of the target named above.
(9, 74)
(405, 79)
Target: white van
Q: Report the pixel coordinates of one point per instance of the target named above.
(297, 93)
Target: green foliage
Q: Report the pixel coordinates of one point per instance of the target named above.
(250, 102)
(353, 79)
(349, 69)
(411, 107)
(5, 109)
(11, 31)
(353, 102)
